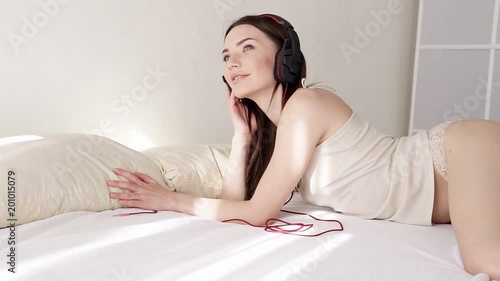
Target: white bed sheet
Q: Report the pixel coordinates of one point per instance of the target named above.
(172, 246)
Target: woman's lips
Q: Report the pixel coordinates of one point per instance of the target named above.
(239, 77)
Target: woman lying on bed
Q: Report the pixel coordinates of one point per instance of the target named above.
(287, 134)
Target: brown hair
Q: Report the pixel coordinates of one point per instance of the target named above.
(262, 145)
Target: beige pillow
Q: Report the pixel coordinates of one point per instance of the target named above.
(60, 173)
(192, 169)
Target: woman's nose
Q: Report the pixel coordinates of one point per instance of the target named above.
(233, 62)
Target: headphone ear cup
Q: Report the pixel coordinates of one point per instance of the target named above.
(288, 60)
(284, 61)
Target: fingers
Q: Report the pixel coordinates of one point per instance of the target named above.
(141, 190)
(233, 100)
(132, 203)
(123, 185)
(131, 177)
(134, 181)
(145, 178)
(128, 199)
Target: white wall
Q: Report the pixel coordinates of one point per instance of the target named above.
(69, 66)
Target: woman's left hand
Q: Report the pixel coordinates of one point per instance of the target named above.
(144, 192)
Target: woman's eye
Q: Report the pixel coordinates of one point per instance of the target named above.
(245, 48)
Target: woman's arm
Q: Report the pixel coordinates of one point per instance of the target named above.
(300, 127)
(233, 183)
(216, 209)
(142, 191)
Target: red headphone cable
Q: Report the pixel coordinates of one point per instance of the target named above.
(283, 227)
(298, 227)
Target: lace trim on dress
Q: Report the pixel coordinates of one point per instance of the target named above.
(437, 150)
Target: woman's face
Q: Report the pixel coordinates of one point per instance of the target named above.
(248, 58)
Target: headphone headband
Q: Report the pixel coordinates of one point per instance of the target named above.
(278, 19)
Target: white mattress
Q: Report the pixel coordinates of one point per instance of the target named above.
(172, 246)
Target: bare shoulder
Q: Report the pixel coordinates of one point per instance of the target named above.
(325, 109)
(306, 118)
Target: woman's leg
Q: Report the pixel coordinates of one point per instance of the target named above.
(472, 151)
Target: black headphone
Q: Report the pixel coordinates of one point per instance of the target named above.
(288, 60)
